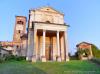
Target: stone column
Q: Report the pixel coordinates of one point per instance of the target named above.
(58, 47)
(43, 47)
(54, 49)
(62, 48)
(90, 50)
(30, 45)
(66, 46)
(34, 50)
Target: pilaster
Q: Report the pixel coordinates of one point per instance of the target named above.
(30, 45)
(34, 49)
(66, 46)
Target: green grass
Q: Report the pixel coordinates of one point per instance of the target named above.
(23, 67)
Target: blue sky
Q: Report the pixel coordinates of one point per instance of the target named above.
(83, 16)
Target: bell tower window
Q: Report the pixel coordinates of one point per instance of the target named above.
(47, 21)
(19, 31)
(20, 22)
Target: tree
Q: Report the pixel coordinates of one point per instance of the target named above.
(0, 45)
(87, 52)
(95, 51)
(80, 53)
(83, 53)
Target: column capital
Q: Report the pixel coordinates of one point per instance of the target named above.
(44, 30)
(58, 31)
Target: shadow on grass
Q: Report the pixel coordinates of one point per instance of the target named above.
(22, 71)
(19, 68)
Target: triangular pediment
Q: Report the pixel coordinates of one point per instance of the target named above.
(49, 9)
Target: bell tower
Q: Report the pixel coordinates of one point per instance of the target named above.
(20, 28)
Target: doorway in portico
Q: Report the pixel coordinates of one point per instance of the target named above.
(50, 43)
(49, 48)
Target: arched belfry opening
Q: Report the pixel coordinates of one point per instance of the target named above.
(20, 22)
(48, 21)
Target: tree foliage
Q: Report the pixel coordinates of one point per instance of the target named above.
(83, 51)
(87, 52)
(95, 51)
(80, 52)
(0, 45)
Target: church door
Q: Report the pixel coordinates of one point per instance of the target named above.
(48, 49)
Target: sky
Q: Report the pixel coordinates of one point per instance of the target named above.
(83, 16)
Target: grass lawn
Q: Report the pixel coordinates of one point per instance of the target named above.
(23, 67)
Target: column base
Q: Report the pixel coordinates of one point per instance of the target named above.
(67, 58)
(54, 58)
(59, 59)
(34, 59)
(28, 59)
(43, 59)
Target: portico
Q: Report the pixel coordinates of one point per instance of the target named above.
(49, 42)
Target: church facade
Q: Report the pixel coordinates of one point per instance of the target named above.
(46, 38)
(47, 35)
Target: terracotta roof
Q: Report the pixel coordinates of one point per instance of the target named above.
(83, 42)
(6, 43)
(21, 16)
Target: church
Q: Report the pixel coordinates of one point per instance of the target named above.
(46, 38)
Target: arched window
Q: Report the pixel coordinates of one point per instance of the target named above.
(20, 22)
(47, 21)
(19, 31)
(17, 46)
